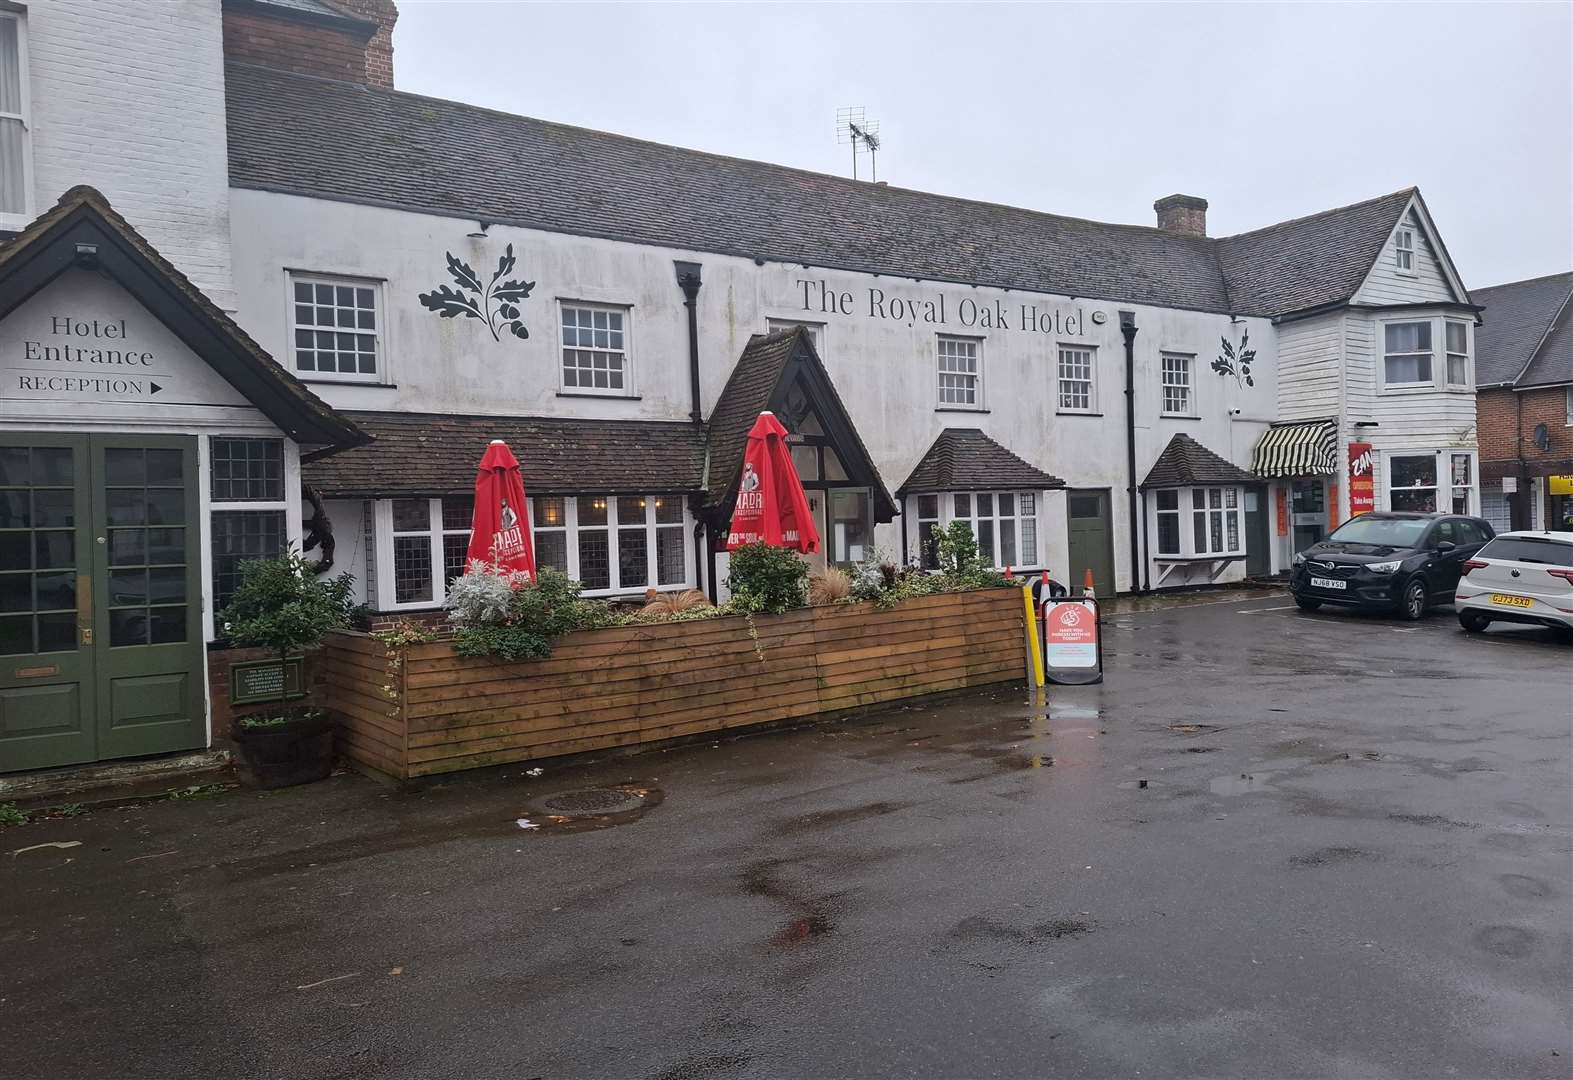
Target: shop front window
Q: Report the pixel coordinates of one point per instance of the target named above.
(1412, 483)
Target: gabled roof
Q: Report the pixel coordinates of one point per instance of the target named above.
(1515, 340)
(1185, 462)
(965, 459)
(1310, 262)
(83, 218)
(762, 379)
(434, 454)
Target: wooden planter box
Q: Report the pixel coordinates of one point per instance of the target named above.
(421, 709)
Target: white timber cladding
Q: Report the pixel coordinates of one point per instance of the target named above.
(1310, 367)
(1388, 283)
(130, 99)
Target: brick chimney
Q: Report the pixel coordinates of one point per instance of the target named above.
(1183, 214)
(348, 40)
(379, 50)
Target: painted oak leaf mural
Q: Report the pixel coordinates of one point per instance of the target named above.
(1237, 362)
(496, 302)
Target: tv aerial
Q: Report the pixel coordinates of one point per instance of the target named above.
(855, 128)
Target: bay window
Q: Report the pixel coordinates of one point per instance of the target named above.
(1457, 342)
(1432, 481)
(1198, 522)
(1167, 504)
(1004, 524)
(1406, 354)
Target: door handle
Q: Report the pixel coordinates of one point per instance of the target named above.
(84, 607)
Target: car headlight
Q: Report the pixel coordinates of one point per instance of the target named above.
(1383, 567)
(1299, 558)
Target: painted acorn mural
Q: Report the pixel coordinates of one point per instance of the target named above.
(496, 303)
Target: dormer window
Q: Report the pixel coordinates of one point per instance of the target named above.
(1404, 250)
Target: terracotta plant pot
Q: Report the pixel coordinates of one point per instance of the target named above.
(298, 751)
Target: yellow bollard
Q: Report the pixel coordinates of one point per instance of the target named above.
(1035, 664)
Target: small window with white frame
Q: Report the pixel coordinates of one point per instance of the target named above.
(595, 349)
(1167, 511)
(814, 330)
(16, 152)
(428, 543)
(1215, 521)
(336, 324)
(960, 372)
(1406, 354)
(246, 506)
(1457, 343)
(1078, 391)
(1461, 474)
(1177, 399)
(1404, 250)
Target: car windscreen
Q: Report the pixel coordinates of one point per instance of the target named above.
(1530, 549)
(1381, 532)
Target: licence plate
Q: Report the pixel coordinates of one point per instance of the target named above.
(1328, 583)
(1512, 601)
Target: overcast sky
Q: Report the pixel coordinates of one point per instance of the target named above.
(1093, 110)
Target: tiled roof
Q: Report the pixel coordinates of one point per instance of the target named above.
(84, 216)
(1185, 462)
(1311, 261)
(1513, 332)
(747, 393)
(965, 459)
(436, 454)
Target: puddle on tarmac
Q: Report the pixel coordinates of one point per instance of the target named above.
(1241, 783)
(801, 930)
(629, 802)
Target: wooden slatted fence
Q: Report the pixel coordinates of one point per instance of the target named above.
(423, 709)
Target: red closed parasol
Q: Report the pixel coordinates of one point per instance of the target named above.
(500, 531)
(771, 507)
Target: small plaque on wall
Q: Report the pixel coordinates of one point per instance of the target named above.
(256, 681)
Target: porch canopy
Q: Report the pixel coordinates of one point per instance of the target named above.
(965, 459)
(1297, 448)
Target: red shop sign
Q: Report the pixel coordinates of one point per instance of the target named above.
(1362, 479)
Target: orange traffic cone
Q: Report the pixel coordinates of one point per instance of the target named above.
(1086, 583)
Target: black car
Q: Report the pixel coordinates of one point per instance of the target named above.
(1399, 562)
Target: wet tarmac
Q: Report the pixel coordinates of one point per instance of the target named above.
(1352, 856)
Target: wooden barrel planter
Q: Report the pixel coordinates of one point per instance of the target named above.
(416, 710)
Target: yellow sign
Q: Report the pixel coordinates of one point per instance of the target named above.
(1561, 485)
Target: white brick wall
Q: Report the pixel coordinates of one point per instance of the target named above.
(128, 96)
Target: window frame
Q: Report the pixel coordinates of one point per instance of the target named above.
(1186, 516)
(1091, 351)
(1387, 384)
(1025, 561)
(213, 506)
(1569, 404)
(1435, 487)
(1404, 244)
(976, 344)
(1469, 490)
(816, 330)
(1468, 355)
(569, 529)
(378, 377)
(435, 532)
(1188, 360)
(629, 388)
(17, 221)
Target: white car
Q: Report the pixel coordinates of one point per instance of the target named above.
(1523, 577)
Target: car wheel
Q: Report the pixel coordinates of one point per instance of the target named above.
(1473, 621)
(1413, 604)
(1307, 604)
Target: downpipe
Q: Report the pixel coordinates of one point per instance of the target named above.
(1128, 331)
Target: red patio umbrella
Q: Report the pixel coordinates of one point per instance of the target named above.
(500, 530)
(771, 507)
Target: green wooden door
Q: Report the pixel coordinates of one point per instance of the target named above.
(47, 691)
(1091, 537)
(146, 596)
(100, 619)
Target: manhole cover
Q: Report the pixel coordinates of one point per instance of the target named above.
(592, 802)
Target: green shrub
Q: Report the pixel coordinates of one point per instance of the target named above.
(958, 548)
(281, 604)
(767, 580)
(499, 613)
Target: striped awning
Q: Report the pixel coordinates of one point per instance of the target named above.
(1298, 448)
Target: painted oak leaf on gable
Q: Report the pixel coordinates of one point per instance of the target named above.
(1236, 362)
(496, 302)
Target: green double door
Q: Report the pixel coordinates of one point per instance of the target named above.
(100, 599)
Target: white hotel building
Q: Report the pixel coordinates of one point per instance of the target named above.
(325, 282)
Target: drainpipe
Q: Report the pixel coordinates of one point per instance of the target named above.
(1521, 508)
(688, 281)
(1128, 331)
